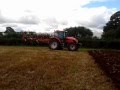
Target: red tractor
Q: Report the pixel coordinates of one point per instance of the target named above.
(60, 40)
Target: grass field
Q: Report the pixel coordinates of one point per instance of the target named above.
(38, 68)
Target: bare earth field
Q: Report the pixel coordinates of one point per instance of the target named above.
(38, 68)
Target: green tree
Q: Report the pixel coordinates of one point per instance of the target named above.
(112, 28)
(9, 30)
(1, 35)
(80, 32)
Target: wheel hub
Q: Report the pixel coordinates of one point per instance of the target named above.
(72, 47)
(54, 45)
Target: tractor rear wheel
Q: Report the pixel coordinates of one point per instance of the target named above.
(72, 47)
(54, 45)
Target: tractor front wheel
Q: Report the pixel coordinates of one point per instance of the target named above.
(72, 47)
(54, 45)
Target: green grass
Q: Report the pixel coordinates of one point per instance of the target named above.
(39, 68)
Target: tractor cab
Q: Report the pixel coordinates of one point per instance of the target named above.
(60, 34)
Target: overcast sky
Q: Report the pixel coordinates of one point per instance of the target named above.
(49, 15)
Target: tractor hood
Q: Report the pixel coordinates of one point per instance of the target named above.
(72, 38)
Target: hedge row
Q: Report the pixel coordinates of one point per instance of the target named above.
(19, 41)
(112, 44)
(108, 44)
(11, 41)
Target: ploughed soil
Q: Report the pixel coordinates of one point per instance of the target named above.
(109, 61)
(38, 68)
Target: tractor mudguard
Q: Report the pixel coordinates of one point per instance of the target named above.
(55, 38)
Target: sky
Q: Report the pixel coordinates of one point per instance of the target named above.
(45, 16)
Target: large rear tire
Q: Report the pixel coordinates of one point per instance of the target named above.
(54, 45)
(72, 47)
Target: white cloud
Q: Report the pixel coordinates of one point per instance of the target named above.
(48, 15)
(30, 19)
(93, 17)
(2, 18)
(9, 24)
